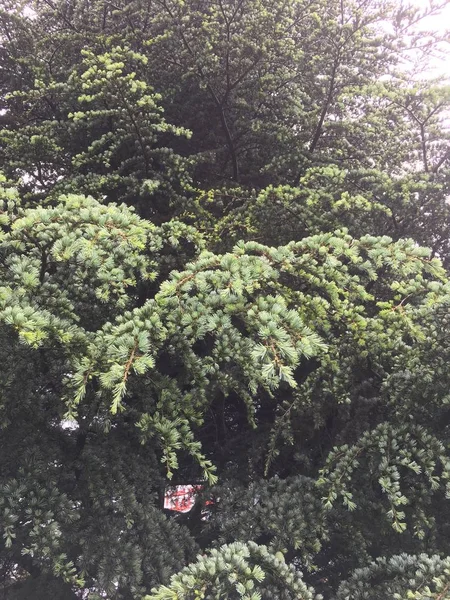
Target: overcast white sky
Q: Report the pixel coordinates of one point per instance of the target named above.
(439, 65)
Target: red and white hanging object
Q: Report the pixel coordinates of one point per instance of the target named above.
(181, 498)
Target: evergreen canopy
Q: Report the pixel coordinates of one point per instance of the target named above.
(224, 253)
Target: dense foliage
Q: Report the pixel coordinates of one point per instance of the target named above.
(224, 253)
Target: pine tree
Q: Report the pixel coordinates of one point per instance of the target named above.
(224, 263)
